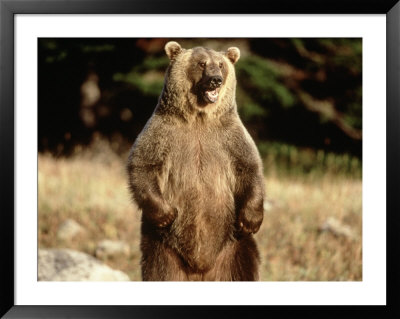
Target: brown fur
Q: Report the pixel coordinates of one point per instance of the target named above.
(197, 176)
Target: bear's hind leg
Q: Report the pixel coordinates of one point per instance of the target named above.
(238, 261)
(245, 266)
(160, 263)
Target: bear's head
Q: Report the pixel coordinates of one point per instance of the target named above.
(202, 77)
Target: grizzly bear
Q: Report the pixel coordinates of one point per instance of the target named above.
(197, 176)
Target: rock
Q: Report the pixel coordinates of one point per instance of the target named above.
(336, 228)
(69, 229)
(71, 265)
(111, 248)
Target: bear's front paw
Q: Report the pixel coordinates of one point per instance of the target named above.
(249, 222)
(165, 219)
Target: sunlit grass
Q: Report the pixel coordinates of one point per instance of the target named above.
(94, 194)
(291, 242)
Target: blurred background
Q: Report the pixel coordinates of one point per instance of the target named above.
(300, 99)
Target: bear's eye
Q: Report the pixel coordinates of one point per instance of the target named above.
(221, 65)
(202, 64)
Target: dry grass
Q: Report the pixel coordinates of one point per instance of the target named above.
(90, 187)
(292, 244)
(92, 190)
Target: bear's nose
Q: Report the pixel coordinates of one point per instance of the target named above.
(216, 81)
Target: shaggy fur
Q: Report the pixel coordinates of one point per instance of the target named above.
(197, 176)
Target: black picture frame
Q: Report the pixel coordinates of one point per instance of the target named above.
(8, 10)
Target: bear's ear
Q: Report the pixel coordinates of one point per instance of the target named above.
(233, 54)
(172, 49)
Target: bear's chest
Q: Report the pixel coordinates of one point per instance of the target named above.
(201, 156)
(200, 166)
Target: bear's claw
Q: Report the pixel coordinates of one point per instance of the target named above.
(166, 219)
(250, 223)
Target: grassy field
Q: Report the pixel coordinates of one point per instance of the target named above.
(297, 241)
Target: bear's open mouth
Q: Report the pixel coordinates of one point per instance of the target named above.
(212, 96)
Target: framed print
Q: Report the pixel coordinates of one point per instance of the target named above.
(80, 80)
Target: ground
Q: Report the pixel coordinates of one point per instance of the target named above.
(295, 242)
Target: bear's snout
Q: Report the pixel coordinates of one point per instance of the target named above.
(215, 81)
